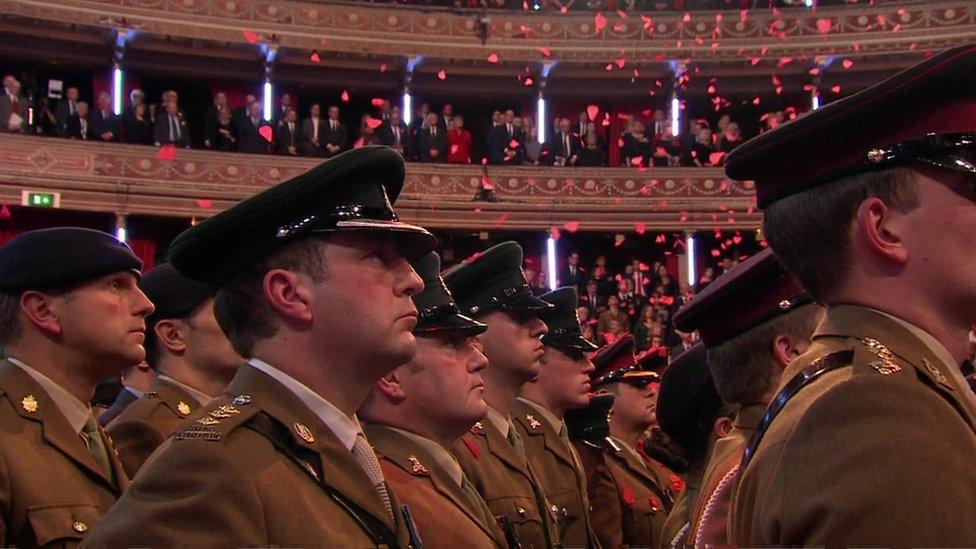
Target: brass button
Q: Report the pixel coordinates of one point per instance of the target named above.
(79, 527)
(521, 512)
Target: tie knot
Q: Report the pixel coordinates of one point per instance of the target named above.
(91, 425)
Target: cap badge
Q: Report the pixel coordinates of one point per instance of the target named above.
(183, 408)
(876, 156)
(415, 465)
(477, 427)
(29, 404)
(304, 432)
(79, 527)
(242, 400)
(784, 305)
(533, 422)
(886, 365)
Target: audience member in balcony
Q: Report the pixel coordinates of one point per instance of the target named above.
(510, 139)
(658, 124)
(637, 146)
(367, 134)
(572, 274)
(688, 341)
(446, 117)
(337, 137)
(210, 120)
(771, 121)
(46, 121)
(385, 110)
(496, 138)
(288, 137)
(418, 125)
(105, 124)
(314, 132)
(171, 127)
(533, 152)
(136, 96)
(564, 149)
(13, 108)
(240, 114)
(433, 142)
(592, 155)
(628, 301)
(667, 148)
(701, 153)
(67, 108)
(527, 123)
(540, 284)
(731, 139)
(690, 139)
(249, 138)
(613, 313)
(648, 328)
(582, 126)
(136, 128)
(282, 111)
(394, 133)
(721, 127)
(591, 127)
(639, 281)
(459, 143)
(592, 299)
(77, 126)
(224, 139)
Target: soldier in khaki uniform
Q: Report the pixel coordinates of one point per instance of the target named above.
(563, 384)
(628, 505)
(492, 289)
(417, 411)
(191, 356)
(314, 285)
(70, 313)
(753, 320)
(869, 203)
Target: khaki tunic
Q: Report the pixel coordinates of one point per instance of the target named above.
(444, 515)
(626, 502)
(555, 465)
(710, 519)
(507, 484)
(878, 452)
(219, 482)
(51, 489)
(146, 423)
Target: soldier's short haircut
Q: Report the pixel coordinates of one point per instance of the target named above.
(742, 366)
(241, 310)
(10, 327)
(809, 231)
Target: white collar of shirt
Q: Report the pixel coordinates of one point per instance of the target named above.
(550, 417)
(345, 428)
(75, 411)
(134, 391)
(440, 454)
(500, 422)
(201, 397)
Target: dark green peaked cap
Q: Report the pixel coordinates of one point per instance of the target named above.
(354, 191)
(493, 280)
(564, 328)
(437, 311)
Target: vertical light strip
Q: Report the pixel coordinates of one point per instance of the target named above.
(675, 116)
(407, 114)
(815, 99)
(551, 261)
(690, 256)
(540, 120)
(268, 107)
(117, 91)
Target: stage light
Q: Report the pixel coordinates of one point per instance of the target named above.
(675, 116)
(690, 256)
(815, 99)
(120, 232)
(117, 91)
(268, 108)
(407, 114)
(551, 261)
(540, 120)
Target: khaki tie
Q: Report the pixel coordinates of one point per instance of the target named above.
(516, 441)
(564, 436)
(477, 503)
(96, 446)
(366, 458)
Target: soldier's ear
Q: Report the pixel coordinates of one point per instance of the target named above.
(41, 311)
(877, 231)
(722, 427)
(170, 334)
(390, 386)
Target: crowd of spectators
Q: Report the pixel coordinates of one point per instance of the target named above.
(431, 136)
(563, 6)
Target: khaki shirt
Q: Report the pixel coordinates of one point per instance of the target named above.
(878, 452)
(52, 491)
(221, 482)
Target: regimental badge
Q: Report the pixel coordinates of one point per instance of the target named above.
(886, 366)
(208, 421)
(29, 404)
(224, 411)
(79, 527)
(304, 432)
(935, 372)
(195, 432)
(477, 427)
(242, 400)
(415, 466)
(533, 422)
(183, 408)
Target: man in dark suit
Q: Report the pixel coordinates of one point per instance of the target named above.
(511, 140)
(336, 136)
(313, 132)
(68, 107)
(105, 124)
(13, 109)
(212, 119)
(287, 136)
(565, 146)
(572, 274)
(592, 299)
(433, 142)
(76, 126)
(240, 114)
(171, 127)
(395, 134)
(249, 138)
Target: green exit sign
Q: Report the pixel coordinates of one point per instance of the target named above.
(37, 199)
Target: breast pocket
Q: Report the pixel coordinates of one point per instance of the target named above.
(61, 525)
(524, 516)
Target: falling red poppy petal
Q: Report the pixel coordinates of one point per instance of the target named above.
(572, 226)
(315, 57)
(442, 74)
(600, 21)
(344, 96)
(493, 58)
(250, 36)
(266, 132)
(167, 152)
(373, 123)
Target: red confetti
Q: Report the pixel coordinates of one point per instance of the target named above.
(250, 36)
(205, 203)
(715, 157)
(167, 152)
(377, 102)
(373, 123)
(648, 23)
(716, 252)
(266, 132)
(592, 111)
(835, 89)
(661, 239)
(755, 100)
(754, 60)
(620, 62)
(824, 25)
(315, 57)
(344, 96)
(454, 148)
(5, 212)
(528, 82)
(382, 68)
(513, 144)
(572, 226)
(493, 58)
(600, 21)
(640, 228)
(500, 220)
(848, 63)
(554, 232)
(546, 52)
(442, 75)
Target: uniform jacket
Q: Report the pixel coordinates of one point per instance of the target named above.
(51, 489)
(122, 401)
(877, 452)
(626, 502)
(221, 481)
(149, 421)
(710, 519)
(507, 483)
(554, 464)
(677, 528)
(444, 515)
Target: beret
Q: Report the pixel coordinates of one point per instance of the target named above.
(654, 359)
(493, 280)
(688, 399)
(437, 311)
(173, 294)
(849, 136)
(354, 191)
(751, 293)
(60, 257)
(564, 328)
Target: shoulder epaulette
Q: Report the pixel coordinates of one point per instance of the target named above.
(223, 417)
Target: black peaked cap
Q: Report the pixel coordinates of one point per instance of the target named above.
(564, 328)
(437, 311)
(493, 280)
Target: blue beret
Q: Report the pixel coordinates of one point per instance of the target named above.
(49, 259)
